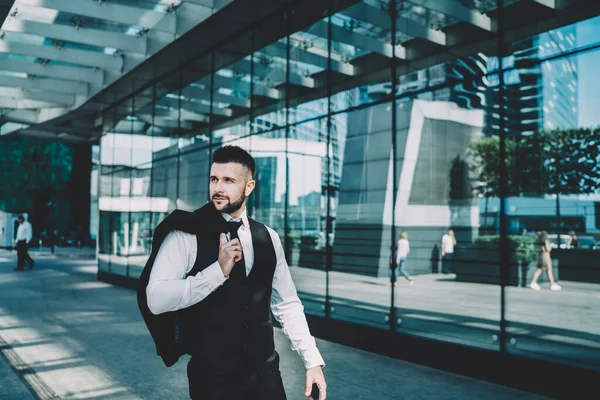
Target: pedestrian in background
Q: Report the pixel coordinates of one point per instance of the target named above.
(448, 243)
(544, 262)
(403, 250)
(24, 235)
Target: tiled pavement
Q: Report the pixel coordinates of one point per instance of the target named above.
(85, 339)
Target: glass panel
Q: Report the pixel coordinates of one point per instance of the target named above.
(366, 46)
(231, 92)
(195, 154)
(105, 243)
(359, 282)
(554, 212)
(121, 193)
(140, 229)
(195, 122)
(165, 147)
(438, 243)
(308, 72)
(194, 169)
(270, 72)
(307, 211)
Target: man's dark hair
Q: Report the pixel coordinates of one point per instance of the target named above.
(22, 218)
(234, 154)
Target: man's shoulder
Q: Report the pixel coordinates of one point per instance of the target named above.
(272, 232)
(185, 221)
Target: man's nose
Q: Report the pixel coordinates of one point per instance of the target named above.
(219, 187)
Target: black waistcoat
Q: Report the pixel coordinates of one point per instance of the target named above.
(230, 332)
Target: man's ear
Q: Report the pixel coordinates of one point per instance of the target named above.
(249, 187)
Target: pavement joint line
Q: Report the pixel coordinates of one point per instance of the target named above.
(38, 388)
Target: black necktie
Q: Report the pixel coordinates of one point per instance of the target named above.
(239, 269)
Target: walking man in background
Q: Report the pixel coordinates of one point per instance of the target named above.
(448, 243)
(24, 235)
(221, 275)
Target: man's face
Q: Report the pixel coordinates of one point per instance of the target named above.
(21, 220)
(230, 184)
(451, 232)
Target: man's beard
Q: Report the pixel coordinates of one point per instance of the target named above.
(232, 207)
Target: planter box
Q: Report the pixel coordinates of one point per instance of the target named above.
(578, 265)
(482, 265)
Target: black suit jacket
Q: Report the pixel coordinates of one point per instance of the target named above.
(165, 328)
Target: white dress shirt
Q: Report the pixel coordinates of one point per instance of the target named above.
(448, 242)
(24, 232)
(169, 290)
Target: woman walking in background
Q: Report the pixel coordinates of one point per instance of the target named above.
(403, 250)
(544, 262)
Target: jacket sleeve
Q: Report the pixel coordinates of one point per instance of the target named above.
(164, 328)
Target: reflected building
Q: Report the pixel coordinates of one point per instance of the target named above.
(431, 142)
(538, 95)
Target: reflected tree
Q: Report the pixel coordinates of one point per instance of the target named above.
(559, 162)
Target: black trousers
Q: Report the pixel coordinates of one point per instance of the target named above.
(264, 384)
(23, 255)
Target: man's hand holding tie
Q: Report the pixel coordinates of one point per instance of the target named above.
(230, 252)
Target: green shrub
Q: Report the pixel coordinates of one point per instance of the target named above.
(523, 247)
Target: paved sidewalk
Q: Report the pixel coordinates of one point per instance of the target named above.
(442, 308)
(11, 386)
(85, 339)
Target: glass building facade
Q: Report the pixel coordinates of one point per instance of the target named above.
(355, 144)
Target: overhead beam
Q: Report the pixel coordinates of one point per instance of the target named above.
(78, 74)
(199, 92)
(113, 12)
(45, 84)
(374, 16)
(193, 106)
(556, 4)
(62, 136)
(73, 56)
(21, 116)
(341, 35)
(261, 90)
(9, 127)
(204, 3)
(19, 103)
(457, 11)
(92, 37)
(276, 75)
(48, 97)
(547, 3)
(297, 54)
(168, 113)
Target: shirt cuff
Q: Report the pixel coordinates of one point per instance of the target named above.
(214, 275)
(312, 358)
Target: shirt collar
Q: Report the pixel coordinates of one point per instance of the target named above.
(243, 218)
